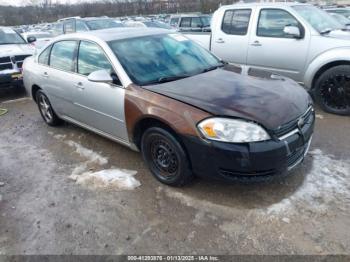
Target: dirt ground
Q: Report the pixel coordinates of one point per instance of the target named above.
(44, 211)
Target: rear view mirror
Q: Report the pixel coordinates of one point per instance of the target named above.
(100, 76)
(31, 39)
(292, 31)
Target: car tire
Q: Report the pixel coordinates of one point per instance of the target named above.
(46, 110)
(165, 157)
(332, 90)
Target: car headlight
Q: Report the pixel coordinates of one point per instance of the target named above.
(232, 130)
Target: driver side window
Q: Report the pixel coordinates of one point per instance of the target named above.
(272, 22)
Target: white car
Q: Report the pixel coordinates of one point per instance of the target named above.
(13, 50)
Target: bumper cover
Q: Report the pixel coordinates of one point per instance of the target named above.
(11, 80)
(259, 159)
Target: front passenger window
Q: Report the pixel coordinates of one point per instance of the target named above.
(92, 58)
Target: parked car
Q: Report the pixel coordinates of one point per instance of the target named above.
(13, 50)
(296, 40)
(147, 23)
(78, 24)
(185, 110)
(42, 38)
(190, 22)
(342, 20)
(340, 11)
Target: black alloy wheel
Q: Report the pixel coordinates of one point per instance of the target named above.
(332, 90)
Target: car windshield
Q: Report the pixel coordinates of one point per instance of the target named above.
(341, 19)
(103, 24)
(9, 36)
(344, 12)
(162, 58)
(156, 24)
(206, 21)
(319, 19)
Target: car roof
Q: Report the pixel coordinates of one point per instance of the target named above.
(115, 33)
(95, 18)
(269, 4)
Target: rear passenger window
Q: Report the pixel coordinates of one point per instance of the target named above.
(44, 56)
(185, 22)
(236, 22)
(272, 22)
(91, 58)
(196, 22)
(62, 55)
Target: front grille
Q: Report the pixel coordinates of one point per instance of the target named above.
(231, 173)
(19, 64)
(294, 157)
(5, 59)
(286, 128)
(20, 58)
(6, 66)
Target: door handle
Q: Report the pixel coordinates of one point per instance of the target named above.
(79, 86)
(256, 43)
(220, 41)
(45, 74)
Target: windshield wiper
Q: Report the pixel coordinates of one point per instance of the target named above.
(328, 30)
(165, 79)
(212, 68)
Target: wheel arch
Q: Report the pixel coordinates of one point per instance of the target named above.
(150, 121)
(323, 62)
(324, 68)
(35, 89)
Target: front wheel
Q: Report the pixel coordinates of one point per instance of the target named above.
(46, 110)
(332, 90)
(165, 157)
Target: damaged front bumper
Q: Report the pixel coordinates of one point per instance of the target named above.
(259, 159)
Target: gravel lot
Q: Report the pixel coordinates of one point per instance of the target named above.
(44, 209)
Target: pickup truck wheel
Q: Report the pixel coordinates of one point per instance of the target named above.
(165, 157)
(332, 90)
(46, 109)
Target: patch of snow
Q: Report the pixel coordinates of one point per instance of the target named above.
(119, 179)
(78, 171)
(319, 116)
(87, 153)
(59, 137)
(286, 220)
(327, 183)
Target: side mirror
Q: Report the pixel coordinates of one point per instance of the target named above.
(292, 31)
(100, 76)
(31, 39)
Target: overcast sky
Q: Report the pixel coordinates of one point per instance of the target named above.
(26, 2)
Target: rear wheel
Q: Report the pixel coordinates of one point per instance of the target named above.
(332, 90)
(46, 110)
(165, 157)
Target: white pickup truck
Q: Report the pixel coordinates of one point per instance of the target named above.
(295, 40)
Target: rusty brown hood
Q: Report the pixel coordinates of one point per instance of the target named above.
(270, 102)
